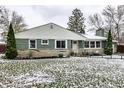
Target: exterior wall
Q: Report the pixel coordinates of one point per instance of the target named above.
(91, 50)
(49, 50)
(100, 33)
(114, 43)
(51, 44)
(22, 44)
(69, 46)
(81, 44)
(42, 50)
(103, 44)
(43, 53)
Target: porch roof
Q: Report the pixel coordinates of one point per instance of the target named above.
(93, 37)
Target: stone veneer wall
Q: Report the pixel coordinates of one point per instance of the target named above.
(43, 53)
(54, 52)
(95, 50)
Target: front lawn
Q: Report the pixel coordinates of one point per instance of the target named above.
(62, 72)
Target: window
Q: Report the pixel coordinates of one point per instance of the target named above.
(32, 44)
(86, 44)
(60, 44)
(92, 44)
(97, 44)
(44, 42)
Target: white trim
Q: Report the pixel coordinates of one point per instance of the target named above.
(35, 44)
(61, 40)
(75, 49)
(44, 43)
(89, 44)
(94, 44)
(100, 44)
(66, 42)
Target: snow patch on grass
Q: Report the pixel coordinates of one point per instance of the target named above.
(28, 80)
(63, 72)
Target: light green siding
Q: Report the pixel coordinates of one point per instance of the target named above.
(103, 44)
(100, 32)
(81, 44)
(51, 44)
(22, 43)
(69, 46)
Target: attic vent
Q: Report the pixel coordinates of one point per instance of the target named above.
(51, 26)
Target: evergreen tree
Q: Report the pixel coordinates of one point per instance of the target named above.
(108, 48)
(11, 51)
(82, 30)
(76, 21)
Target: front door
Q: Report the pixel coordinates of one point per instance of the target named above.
(75, 46)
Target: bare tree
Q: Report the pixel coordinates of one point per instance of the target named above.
(114, 17)
(7, 16)
(4, 18)
(96, 21)
(18, 22)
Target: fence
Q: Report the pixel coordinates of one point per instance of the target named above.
(120, 48)
(115, 56)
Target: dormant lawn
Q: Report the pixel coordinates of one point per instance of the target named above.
(62, 72)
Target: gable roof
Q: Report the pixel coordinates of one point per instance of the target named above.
(94, 37)
(49, 31)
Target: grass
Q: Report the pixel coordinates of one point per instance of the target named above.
(65, 73)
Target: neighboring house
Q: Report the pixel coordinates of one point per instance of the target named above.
(51, 40)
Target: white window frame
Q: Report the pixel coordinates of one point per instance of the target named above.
(35, 43)
(95, 45)
(44, 43)
(100, 44)
(65, 44)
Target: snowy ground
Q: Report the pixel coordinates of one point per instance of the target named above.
(121, 56)
(62, 72)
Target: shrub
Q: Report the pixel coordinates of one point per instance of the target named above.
(30, 54)
(85, 54)
(108, 48)
(60, 55)
(71, 53)
(11, 51)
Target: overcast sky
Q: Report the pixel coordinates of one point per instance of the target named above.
(36, 15)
